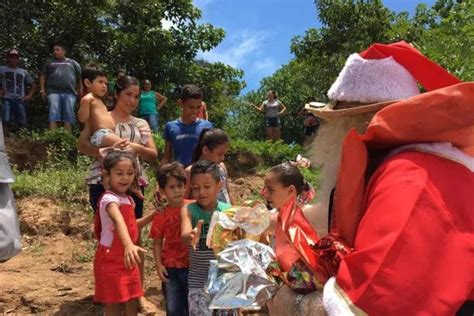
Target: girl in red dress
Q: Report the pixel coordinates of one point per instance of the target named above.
(116, 273)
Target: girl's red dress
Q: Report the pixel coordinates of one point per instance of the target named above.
(114, 283)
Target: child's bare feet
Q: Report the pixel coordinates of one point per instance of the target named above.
(146, 307)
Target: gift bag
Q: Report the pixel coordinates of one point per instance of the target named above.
(235, 223)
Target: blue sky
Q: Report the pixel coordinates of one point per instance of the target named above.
(258, 32)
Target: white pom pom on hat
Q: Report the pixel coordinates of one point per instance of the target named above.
(372, 80)
(379, 76)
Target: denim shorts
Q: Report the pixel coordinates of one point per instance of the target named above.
(152, 119)
(15, 107)
(272, 121)
(61, 107)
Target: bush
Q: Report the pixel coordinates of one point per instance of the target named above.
(270, 153)
(159, 142)
(60, 144)
(65, 184)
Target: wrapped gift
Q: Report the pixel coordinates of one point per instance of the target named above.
(238, 278)
(235, 223)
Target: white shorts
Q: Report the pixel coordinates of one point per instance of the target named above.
(99, 135)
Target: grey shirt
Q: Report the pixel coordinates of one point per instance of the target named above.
(13, 81)
(61, 75)
(271, 108)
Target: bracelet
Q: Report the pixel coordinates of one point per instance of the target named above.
(298, 300)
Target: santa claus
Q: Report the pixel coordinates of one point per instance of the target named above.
(397, 178)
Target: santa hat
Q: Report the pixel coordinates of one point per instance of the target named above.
(379, 76)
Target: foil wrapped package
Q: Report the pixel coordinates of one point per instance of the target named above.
(238, 222)
(238, 278)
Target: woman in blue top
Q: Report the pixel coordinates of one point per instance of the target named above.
(147, 108)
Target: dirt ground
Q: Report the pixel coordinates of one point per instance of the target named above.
(53, 274)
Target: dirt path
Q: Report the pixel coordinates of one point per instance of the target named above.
(53, 274)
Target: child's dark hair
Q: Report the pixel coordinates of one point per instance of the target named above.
(120, 71)
(203, 167)
(166, 171)
(115, 157)
(190, 91)
(91, 72)
(287, 175)
(211, 138)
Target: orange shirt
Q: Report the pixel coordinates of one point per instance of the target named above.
(167, 225)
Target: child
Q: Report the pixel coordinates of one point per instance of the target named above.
(171, 255)
(286, 191)
(92, 110)
(181, 135)
(212, 146)
(206, 184)
(283, 182)
(116, 273)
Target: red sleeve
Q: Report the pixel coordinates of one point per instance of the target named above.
(411, 254)
(156, 231)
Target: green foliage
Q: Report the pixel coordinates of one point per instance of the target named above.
(121, 34)
(221, 84)
(451, 40)
(444, 32)
(270, 153)
(60, 144)
(65, 184)
(60, 174)
(311, 176)
(244, 122)
(159, 142)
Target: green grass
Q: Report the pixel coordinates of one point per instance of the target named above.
(87, 255)
(63, 183)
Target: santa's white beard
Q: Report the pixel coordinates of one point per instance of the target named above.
(325, 153)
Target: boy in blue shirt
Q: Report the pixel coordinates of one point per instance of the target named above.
(182, 135)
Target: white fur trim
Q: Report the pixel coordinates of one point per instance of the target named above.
(333, 303)
(442, 149)
(372, 80)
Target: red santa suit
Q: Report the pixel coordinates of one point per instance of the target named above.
(412, 224)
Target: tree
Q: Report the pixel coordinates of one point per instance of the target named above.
(445, 33)
(450, 40)
(119, 34)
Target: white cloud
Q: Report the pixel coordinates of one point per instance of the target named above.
(265, 66)
(244, 50)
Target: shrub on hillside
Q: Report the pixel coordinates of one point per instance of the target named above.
(270, 153)
(60, 144)
(64, 184)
